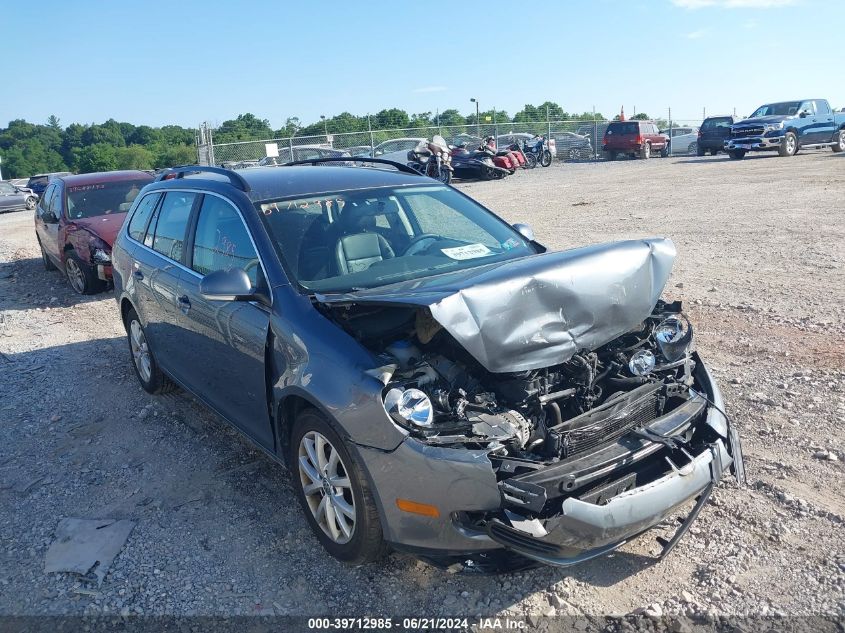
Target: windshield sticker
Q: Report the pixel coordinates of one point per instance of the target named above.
(511, 243)
(470, 251)
(85, 188)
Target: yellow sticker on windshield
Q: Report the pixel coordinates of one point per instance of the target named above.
(470, 251)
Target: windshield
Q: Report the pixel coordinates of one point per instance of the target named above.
(86, 201)
(364, 239)
(787, 108)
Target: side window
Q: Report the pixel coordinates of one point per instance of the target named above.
(822, 107)
(54, 204)
(222, 241)
(47, 197)
(808, 106)
(138, 223)
(171, 224)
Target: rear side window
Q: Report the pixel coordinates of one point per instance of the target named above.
(141, 217)
(222, 241)
(171, 224)
(822, 107)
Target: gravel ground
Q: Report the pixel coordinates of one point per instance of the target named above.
(761, 266)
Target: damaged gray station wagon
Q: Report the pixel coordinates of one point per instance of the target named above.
(437, 382)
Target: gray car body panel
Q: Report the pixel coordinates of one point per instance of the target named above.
(539, 311)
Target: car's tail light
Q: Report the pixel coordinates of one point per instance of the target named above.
(699, 134)
(604, 140)
(639, 139)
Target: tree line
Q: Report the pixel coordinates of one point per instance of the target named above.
(31, 148)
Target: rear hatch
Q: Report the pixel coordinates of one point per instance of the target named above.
(716, 129)
(622, 135)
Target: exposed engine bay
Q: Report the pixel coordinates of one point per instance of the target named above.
(437, 391)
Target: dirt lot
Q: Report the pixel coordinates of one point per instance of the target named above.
(762, 267)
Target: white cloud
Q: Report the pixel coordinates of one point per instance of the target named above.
(430, 89)
(696, 35)
(732, 4)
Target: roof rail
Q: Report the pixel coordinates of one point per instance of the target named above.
(235, 179)
(354, 159)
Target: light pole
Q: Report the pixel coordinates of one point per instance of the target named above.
(325, 125)
(477, 120)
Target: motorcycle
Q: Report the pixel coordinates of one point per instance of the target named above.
(516, 159)
(519, 147)
(432, 158)
(539, 148)
(479, 163)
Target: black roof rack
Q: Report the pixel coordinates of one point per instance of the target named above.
(354, 159)
(235, 179)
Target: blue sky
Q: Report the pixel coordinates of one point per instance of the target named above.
(185, 62)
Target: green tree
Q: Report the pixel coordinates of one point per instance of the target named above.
(452, 117)
(97, 157)
(53, 122)
(175, 155)
(247, 127)
(134, 157)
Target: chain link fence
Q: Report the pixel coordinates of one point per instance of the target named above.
(575, 140)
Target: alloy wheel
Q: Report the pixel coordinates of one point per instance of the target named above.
(140, 351)
(30, 203)
(75, 275)
(790, 144)
(327, 487)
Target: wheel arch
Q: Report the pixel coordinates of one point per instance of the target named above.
(289, 405)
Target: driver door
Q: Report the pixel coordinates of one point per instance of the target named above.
(809, 131)
(47, 223)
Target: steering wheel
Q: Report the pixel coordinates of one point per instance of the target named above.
(414, 247)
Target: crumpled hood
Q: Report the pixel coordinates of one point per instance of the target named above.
(761, 120)
(540, 310)
(103, 226)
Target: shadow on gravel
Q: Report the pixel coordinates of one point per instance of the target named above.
(26, 285)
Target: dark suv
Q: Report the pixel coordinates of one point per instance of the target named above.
(713, 133)
(435, 379)
(634, 138)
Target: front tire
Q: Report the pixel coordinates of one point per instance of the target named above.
(30, 203)
(530, 161)
(149, 374)
(546, 158)
(333, 491)
(737, 154)
(789, 145)
(81, 276)
(839, 146)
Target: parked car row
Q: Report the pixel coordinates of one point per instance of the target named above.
(323, 311)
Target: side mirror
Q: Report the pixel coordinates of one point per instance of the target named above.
(525, 231)
(803, 114)
(227, 285)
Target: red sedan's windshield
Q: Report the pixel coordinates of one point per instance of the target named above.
(85, 201)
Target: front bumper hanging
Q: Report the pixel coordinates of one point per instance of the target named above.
(584, 530)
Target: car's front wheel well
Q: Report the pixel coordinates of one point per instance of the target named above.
(286, 413)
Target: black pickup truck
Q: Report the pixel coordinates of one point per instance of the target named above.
(786, 127)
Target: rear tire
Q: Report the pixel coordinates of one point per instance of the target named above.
(313, 435)
(152, 379)
(700, 151)
(839, 146)
(645, 151)
(610, 155)
(713, 152)
(737, 154)
(789, 145)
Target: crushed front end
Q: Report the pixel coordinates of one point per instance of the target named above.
(585, 455)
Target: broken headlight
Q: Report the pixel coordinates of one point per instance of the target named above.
(101, 256)
(409, 406)
(673, 335)
(642, 363)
